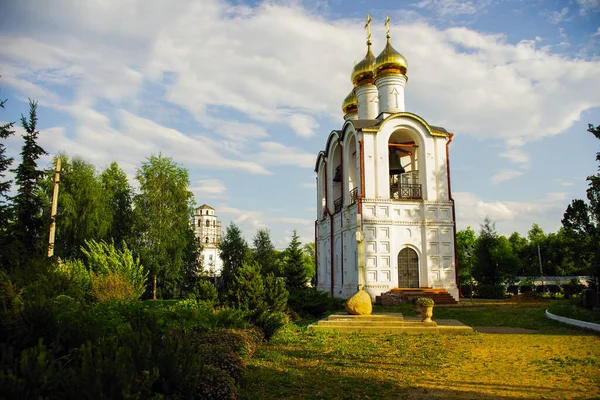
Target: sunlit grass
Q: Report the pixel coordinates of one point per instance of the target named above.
(555, 362)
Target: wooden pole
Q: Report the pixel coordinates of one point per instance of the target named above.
(53, 211)
(154, 289)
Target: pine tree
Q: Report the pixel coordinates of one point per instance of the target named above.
(233, 248)
(5, 162)
(486, 268)
(247, 289)
(264, 253)
(28, 201)
(276, 294)
(296, 272)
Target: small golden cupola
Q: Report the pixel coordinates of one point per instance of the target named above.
(363, 78)
(390, 77)
(389, 61)
(350, 105)
(363, 71)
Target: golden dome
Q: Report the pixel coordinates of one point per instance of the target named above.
(350, 103)
(363, 71)
(390, 62)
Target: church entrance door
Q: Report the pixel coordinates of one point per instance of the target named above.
(408, 268)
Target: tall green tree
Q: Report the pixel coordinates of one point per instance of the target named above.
(28, 202)
(465, 248)
(82, 212)
(233, 249)
(520, 247)
(310, 260)
(486, 269)
(119, 197)
(163, 209)
(264, 253)
(296, 271)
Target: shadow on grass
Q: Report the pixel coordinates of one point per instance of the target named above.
(320, 383)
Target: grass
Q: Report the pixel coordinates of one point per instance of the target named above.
(555, 362)
(571, 309)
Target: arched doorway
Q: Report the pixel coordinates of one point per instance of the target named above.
(408, 268)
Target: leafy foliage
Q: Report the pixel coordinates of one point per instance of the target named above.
(163, 209)
(112, 266)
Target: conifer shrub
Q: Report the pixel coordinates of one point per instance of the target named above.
(204, 290)
(247, 291)
(270, 322)
(311, 302)
(276, 294)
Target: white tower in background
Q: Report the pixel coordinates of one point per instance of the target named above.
(208, 229)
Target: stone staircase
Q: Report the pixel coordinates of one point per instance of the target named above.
(403, 295)
(389, 323)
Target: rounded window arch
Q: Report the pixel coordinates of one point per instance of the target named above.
(351, 168)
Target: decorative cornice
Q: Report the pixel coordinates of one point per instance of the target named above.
(374, 221)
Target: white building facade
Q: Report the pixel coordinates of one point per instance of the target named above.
(385, 211)
(208, 229)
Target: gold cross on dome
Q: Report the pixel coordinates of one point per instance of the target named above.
(368, 27)
(387, 26)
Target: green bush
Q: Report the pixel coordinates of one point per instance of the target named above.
(222, 357)
(78, 276)
(490, 291)
(573, 288)
(216, 384)
(104, 259)
(466, 290)
(526, 285)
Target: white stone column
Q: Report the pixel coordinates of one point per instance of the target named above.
(368, 103)
(391, 93)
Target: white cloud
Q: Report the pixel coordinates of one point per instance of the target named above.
(517, 156)
(208, 188)
(510, 216)
(453, 7)
(277, 153)
(506, 175)
(554, 17)
(303, 125)
(587, 6)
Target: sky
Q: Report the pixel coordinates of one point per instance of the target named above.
(245, 93)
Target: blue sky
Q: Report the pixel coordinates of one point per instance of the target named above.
(244, 95)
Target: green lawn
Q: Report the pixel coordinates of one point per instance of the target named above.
(554, 362)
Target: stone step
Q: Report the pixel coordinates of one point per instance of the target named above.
(412, 325)
(360, 323)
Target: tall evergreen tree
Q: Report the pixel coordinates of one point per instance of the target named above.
(233, 249)
(163, 209)
(119, 197)
(247, 289)
(486, 268)
(264, 253)
(5, 162)
(28, 201)
(296, 271)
